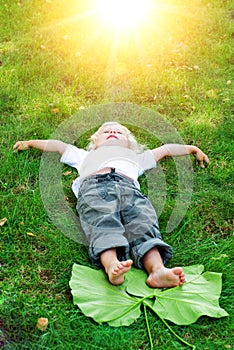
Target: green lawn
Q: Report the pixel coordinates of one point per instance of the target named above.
(57, 60)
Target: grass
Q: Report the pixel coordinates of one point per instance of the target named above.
(53, 66)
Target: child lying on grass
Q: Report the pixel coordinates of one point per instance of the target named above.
(119, 222)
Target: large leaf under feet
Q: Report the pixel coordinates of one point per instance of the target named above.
(120, 305)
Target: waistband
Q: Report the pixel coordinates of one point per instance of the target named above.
(113, 175)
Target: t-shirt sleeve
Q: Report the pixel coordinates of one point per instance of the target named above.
(146, 161)
(73, 156)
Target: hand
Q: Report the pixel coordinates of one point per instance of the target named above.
(201, 157)
(21, 146)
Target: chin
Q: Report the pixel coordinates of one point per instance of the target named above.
(114, 142)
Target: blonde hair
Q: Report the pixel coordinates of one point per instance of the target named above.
(132, 142)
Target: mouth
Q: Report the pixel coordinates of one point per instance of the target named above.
(112, 136)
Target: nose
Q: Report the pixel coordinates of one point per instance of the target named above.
(112, 132)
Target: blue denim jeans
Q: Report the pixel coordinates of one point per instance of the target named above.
(115, 214)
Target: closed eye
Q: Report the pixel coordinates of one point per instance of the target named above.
(107, 132)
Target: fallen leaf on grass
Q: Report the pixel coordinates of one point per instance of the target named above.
(220, 257)
(42, 324)
(66, 173)
(3, 221)
(31, 234)
(55, 110)
(211, 93)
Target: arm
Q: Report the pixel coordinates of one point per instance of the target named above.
(175, 150)
(42, 145)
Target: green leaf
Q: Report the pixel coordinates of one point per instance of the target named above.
(184, 305)
(120, 305)
(98, 299)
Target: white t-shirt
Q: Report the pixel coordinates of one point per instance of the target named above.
(124, 160)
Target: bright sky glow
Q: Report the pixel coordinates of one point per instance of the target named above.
(122, 14)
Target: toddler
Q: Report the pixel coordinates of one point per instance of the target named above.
(119, 222)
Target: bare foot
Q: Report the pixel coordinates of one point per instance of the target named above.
(117, 270)
(166, 278)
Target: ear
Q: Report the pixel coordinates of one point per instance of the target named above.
(93, 140)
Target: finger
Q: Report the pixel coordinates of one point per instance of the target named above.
(206, 159)
(19, 146)
(16, 145)
(201, 164)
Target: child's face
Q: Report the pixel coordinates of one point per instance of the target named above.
(112, 135)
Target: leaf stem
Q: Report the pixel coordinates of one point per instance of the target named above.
(138, 301)
(144, 302)
(148, 328)
(170, 329)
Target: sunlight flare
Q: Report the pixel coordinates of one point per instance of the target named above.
(122, 14)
